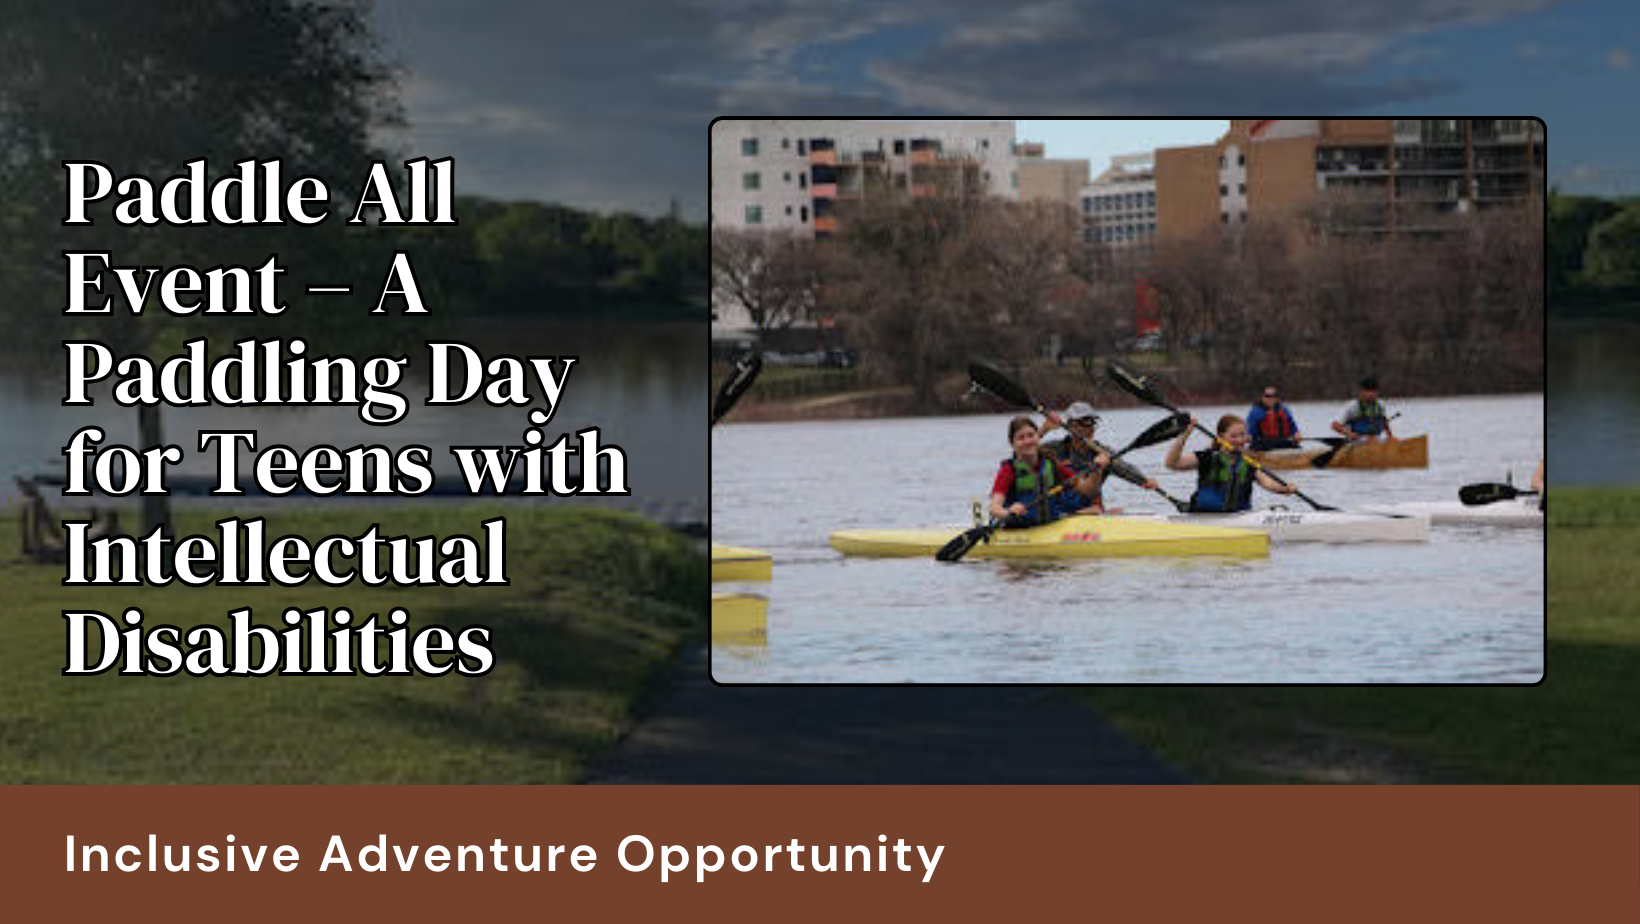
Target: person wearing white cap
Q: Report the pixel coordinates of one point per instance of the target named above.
(1075, 449)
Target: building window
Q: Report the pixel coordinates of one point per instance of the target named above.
(1013, 180)
(1244, 218)
(754, 214)
(985, 143)
(1241, 188)
(1150, 198)
(785, 144)
(1223, 190)
(803, 214)
(788, 176)
(1241, 160)
(748, 147)
(899, 146)
(788, 210)
(1224, 218)
(802, 181)
(751, 181)
(802, 148)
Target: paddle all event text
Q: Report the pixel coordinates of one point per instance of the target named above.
(279, 372)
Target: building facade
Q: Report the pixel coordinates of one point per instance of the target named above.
(1119, 207)
(1392, 174)
(1046, 179)
(791, 173)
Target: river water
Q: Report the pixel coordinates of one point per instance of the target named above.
(1594, 402)
(643, 385)
(1467, 607)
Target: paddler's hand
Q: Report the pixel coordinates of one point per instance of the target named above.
(1102, 462)
(1150, 484)
(1018, 509)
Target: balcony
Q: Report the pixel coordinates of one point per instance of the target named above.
(823, 190)
(828, 158)
(826, 224)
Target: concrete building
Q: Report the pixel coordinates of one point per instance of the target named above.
(1394, 174)
(1045, 179)
(789, 175)
(1119, 207)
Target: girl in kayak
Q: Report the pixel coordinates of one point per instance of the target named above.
(1030, 486)
(1224, 478)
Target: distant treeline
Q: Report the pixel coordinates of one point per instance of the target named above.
(1593, 252)
(535, 259)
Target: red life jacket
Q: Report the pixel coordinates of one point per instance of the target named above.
(1276, 424)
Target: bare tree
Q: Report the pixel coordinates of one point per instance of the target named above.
(772, 274)
(1025, 260)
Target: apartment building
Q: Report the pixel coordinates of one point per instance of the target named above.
(790, 174)
(1119, 206)
(1394, 174)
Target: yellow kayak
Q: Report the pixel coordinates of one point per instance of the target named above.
(1080, 536)
(732, 564)
(739, 617)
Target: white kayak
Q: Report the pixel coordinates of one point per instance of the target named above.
(1520, 511)
(1340, 526)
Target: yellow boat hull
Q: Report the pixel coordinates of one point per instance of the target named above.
(739, 617)
(734, 564)
(1407, 453)
(1082, 536)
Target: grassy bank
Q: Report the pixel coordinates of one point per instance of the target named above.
(1577, 726)
(598, 604)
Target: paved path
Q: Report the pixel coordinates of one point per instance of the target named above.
(696, 732)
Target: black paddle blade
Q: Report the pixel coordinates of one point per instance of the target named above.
(1000, 385)
(737, 384)
(1325, 459)
(1476, 495)
(1159, 432)
(1136, 385)
(960, 546)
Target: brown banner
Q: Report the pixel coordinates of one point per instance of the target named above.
(1003, 853)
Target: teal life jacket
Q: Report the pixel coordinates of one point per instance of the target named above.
(1369, 419)
(1224, 483)
(1031, 487)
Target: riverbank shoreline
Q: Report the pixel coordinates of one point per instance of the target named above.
(891, 403)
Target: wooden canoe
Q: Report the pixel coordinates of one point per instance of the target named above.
(1407, 453)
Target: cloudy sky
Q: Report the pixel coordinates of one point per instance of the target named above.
(605, 104)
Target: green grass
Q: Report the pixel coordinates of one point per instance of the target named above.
(1577, 726)
(599, 604)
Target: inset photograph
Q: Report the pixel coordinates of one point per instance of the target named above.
(1242, 401)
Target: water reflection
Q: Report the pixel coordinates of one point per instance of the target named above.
(1594, 402)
